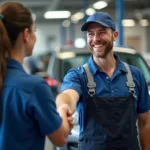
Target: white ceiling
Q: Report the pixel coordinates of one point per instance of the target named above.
(132, 8)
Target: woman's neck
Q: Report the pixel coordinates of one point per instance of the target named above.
(18, 55)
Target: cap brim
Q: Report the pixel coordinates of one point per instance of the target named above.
(85, 26)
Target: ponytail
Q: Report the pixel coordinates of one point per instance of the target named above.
(5, 47)
(14, 18)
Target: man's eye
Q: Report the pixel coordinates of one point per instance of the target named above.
(90, 34)
(102, 32)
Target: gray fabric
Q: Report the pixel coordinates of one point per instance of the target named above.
(130, 82)
(92, 84)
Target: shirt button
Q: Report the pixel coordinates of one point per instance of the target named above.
(112, 91)
(107, 77)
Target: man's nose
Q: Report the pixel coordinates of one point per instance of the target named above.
(96, 37)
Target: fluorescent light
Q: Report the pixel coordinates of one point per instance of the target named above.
(80, 43)
(57, 14)
(74, 21)
(90, 11)
(77, 16)
(144, 22)
(66, 23)
(128, 23)
(100, 4)
(34, 16)
(66, 55)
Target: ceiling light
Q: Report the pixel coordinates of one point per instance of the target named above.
(100, 4)
(74, 21)
(90, 11)
(144, 22)
(77, 16)
(66, 23)
(57, 14)
(138, 15)
(128, 23)
(34, 16)
(80, 43)
(66, 55)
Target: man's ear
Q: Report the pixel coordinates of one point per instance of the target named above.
(115, 35)
(25, 34)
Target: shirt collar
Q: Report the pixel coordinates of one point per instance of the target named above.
(93, 67)
(12, 63)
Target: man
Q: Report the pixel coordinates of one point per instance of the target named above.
(110, 95)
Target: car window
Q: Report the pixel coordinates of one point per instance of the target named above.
(73, 62)
(132, 59)
(137, 61)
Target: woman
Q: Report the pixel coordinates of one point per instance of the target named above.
(28, 111)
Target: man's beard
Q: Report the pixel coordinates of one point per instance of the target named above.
(108, 48)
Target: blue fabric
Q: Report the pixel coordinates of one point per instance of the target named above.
(29, 111)
(101, 18)
(105, 87)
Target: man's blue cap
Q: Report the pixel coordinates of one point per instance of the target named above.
(101, 18)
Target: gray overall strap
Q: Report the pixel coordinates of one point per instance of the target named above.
(91, 84)
(130, 82)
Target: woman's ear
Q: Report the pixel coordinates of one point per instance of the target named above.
(26, 35)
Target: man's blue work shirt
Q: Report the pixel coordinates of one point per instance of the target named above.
(28, 110)
(116, 86)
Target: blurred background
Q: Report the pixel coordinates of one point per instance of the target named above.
(58, 24)
(64, 28)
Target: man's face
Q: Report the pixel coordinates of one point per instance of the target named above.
(100, 39)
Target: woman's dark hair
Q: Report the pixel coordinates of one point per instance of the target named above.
(14, 18)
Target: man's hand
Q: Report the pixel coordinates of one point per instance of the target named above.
(66, 103)
(70, 120)
(66, 114)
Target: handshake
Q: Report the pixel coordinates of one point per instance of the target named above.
(66, 114)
